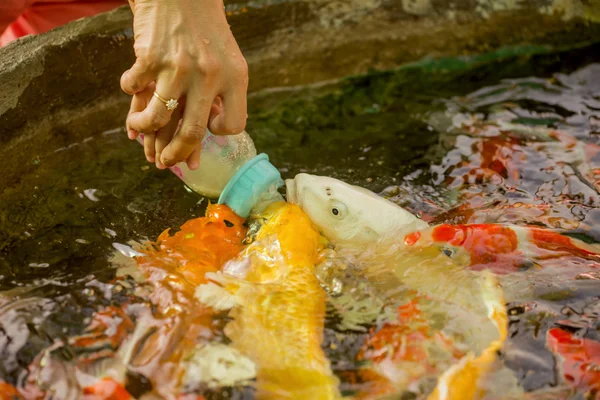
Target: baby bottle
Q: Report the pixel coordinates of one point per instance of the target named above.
(220, 158)
(230, 170)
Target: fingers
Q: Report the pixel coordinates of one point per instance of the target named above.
(193, 161)
(215, 109)
(231, 119)
(156, 115)
(136, 106)
(165, 135)
(139, 102)
(137, 78)
(149, 151)
(193, 127)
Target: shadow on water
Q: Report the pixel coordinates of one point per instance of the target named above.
(427, 136)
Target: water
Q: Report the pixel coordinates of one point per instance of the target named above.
(427, 139)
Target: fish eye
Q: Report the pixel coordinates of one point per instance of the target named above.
(338, 210)
(448, 252)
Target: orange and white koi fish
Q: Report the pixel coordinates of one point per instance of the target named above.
(174, 266)
(164, 332)
(504, 248)
(279, 307)
(507, 154)
(578, 360)
(399, 352)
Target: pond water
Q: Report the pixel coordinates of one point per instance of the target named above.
(513, 141)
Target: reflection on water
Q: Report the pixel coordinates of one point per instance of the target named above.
(523, 151)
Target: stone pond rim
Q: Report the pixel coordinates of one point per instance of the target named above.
(63, 86)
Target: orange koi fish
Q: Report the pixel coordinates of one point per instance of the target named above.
(106, 389)
(155, 345)
(175, 266)
(504, 248)
(410, 350)
(499, 153)
(202, 245)
(578, 359)
(399, 352)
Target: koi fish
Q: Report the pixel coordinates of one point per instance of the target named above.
(578, 360)
(279, 307)
(505, 249)
(349, 215)
(399, 353)
(506, 154)
(165, 331)
(201, 245)
(366, 228)
(458, 350)
(174, 266)
(106, 389)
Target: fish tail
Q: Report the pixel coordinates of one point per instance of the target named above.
(295, 383)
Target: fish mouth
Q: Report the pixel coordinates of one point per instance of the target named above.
(291, 192)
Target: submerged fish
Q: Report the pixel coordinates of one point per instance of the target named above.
(505, 248)
(399, 352)
(554, 177)
(578, 360)
(150, 338)
(279, 307)
(369, 231)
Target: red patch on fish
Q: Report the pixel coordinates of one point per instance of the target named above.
(412, 238)
(580, 359)
(106, 389)
(555, 242)
(108, 329)
(490, 246)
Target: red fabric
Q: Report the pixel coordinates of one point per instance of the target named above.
(24, 17)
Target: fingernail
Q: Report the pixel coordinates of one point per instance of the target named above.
(159, 164)
(166, 162)
(132, 134)
(193, 165)
(150, 158)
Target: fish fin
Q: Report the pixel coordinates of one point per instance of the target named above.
(126, 266)
(461, 381)
(218, 365)
(215, 296)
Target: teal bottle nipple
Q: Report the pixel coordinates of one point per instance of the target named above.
(248, 184)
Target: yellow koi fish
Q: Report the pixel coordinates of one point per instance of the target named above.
(463, 348)
(279, 307)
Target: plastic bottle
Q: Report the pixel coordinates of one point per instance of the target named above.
(220, 158)
(230, 170)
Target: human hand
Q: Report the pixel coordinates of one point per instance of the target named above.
(184, 50)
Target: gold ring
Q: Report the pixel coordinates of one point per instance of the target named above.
(171, 103)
